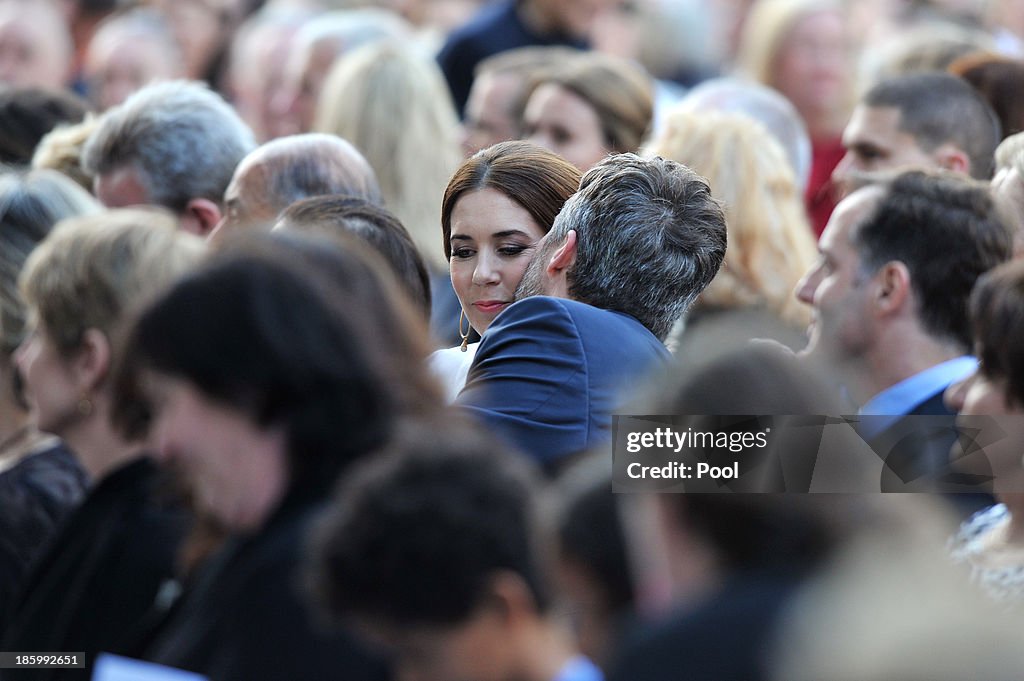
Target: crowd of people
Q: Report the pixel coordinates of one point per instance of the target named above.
(323, 324)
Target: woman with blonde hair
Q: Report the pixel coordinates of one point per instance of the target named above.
(588, 107)
(392, 104)
(101, 572)
(801, 48)
(770, 242)
(40, 481)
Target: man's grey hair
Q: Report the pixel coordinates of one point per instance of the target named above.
(649, 238)
(182, 138)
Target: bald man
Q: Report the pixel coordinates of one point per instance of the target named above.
(287, 169)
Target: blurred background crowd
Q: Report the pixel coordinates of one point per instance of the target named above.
(314, 315)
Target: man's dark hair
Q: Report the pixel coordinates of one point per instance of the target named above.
(997, 318)
(27, 114)
(416, 535)
(376, 226)
(590, 531)
(936, 108)
(650, 238)
(948, 231)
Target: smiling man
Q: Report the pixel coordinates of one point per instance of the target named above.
(889, 296)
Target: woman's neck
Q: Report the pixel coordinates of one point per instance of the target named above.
(98, 447)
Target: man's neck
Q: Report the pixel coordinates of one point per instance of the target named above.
(897, 360)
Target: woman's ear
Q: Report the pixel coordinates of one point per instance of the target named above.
(91, 363)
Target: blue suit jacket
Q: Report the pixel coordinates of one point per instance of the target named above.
(549, 373)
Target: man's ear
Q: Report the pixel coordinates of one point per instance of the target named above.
(952, 157)
(92, 360)
(200, 217)
(892, 287)
(564, 256)
(510, 597)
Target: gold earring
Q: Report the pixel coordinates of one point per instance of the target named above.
(84, 406)
(464, 336)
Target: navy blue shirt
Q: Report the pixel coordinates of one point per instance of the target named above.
(496, 28)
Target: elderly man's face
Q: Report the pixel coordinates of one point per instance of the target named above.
(244, 201)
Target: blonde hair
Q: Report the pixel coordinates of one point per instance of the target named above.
(61, 150)
(394, 106)
(91, 272)
(1010, 153)
(766, 30)
(771, 245)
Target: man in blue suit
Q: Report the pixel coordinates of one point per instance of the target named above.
(625, 258)
(889, 297)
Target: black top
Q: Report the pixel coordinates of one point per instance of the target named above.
(496, 28)
(35, 496)
(728, 637)
(99, 575)
(245, 617)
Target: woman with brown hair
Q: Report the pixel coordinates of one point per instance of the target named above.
(497, 206)
(589, 107)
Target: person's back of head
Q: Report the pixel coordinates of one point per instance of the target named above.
(1008, 185)
(650, 238)
(770, 240)
(30, 205)
(439, 539)
(1000, 80)
(61, 150)
(27, 114)
(95, 271)
(939, 108)
(947, 231)
(377, 226)
(764, 105)
(391, 102)
(181, 140)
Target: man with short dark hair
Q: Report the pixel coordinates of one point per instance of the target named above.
(889, 296)
(626, 256)
(435, 551)
(921, 120)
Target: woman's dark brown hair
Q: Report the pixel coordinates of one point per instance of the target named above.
(535, 178)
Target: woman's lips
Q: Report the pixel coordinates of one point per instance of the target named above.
(490, 306)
